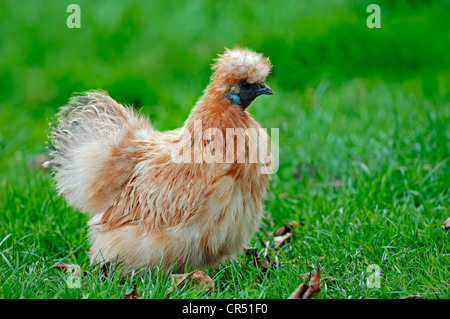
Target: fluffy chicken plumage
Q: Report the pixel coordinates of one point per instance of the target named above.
(148, 210)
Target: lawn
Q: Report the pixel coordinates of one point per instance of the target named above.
(363, 117)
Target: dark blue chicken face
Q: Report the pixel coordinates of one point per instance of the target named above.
(243, 93)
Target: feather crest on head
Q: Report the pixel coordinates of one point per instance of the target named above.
(241, 64)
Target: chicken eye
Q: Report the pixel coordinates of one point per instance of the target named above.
(246, 85)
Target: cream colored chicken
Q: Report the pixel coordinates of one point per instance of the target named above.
(148, 207)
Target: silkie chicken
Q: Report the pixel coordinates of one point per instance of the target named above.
(148, 210)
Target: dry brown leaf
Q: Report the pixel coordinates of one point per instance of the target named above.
(286, 228)
(278, 232)
(253, 254)
(283, 230)
(265, 265)
(315, 279)
(413, 297)
(133, 294)
(305, 291)
(280, 240)
(299, 291)
(281, 235)
(305, 277)
(314, 285)
(446, 224)
(311, 292)
(62, 267)
(331, 281)
(196, 277)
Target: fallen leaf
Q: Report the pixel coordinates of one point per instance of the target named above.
(305, 277)
(331, 281)
(413, 297)
(253, 254)
(133, 294)
(283, 230)
(315, 279)
(280, 240)
(298, 292)
(265, 264)
(305, 291)
(446, 224)
(62, 267)
(286, 228)
(314, 285)
(196, 277)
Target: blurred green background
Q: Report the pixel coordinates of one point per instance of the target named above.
(156, 55)
(363, 116)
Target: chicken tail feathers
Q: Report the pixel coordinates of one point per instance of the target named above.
(94, 146)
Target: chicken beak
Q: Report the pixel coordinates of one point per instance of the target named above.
(264, 89)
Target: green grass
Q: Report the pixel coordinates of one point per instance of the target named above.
(364, 137)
